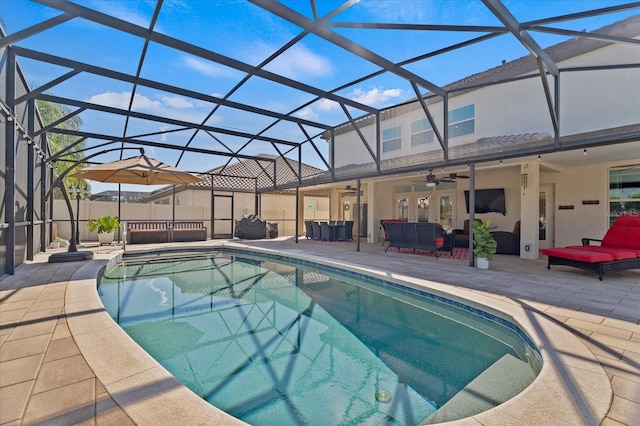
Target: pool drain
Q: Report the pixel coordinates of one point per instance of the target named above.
(383, 396)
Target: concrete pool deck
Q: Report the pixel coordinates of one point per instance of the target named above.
(62, 359)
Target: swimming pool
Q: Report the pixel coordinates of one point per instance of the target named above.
(267, 341)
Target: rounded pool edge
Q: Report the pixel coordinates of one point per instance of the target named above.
(571, 388)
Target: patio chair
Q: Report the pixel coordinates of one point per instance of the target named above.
(348, 230)
(308, 229)
(508, 242)
(327, 232)
(462, 235)
(338, 230)
(315, 226)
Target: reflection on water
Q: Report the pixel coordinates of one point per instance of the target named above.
(271, 342)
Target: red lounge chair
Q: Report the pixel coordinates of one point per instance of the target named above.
(619, 250)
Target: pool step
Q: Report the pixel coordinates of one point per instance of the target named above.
(504, 379)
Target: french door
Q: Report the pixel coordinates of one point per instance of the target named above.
(546, 219)
(445, 211)
(413, 207)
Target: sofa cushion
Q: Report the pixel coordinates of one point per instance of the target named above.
(622, 237)
(578, 254)
(617, 253)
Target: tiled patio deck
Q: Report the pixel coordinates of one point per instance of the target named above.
(46, 378)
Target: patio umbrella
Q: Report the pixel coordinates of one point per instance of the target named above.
(140, 170)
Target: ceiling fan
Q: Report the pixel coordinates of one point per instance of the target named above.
(348, 190)
(432, 180)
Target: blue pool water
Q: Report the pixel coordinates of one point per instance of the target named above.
(277, 343)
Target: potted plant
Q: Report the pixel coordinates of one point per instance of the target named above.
(106, 226)
(57, 242)
(484, 245)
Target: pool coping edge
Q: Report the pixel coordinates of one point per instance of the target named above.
(571, 387)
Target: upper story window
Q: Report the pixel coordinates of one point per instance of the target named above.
(421, 132)
(391, 139)
(462, 121)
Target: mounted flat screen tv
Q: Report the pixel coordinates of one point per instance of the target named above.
(488, 200)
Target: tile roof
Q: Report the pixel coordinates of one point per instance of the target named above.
(243, 175)
(481, 147)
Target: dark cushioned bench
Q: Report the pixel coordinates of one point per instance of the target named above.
(148, 232)
(619, 250)
(188, 231)
(151, 232)
(419, 235)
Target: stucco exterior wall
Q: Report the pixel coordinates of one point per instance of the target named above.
(520, 107)
(572, 186)
(589, 103)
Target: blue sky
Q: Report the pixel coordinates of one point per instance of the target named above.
(241, 31)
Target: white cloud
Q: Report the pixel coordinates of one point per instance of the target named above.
(123, 10)
(299, 61)
(206, 68)
(141, 102)
(163, 136)
(328, 105)
(121, 100)
(307, 114)
(375, 96)
(175, 102)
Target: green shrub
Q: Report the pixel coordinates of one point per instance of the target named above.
(104, 224)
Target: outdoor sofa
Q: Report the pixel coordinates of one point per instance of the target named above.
(619, 250)
(384, 228)
(419, 235)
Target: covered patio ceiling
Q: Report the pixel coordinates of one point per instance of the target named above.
(203, 85)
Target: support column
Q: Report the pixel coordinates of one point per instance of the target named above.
(45, 181)
(372, 227)
(472, 210)
(31, 164)
(50, 176)
(173, 207)
(358, 218)
(10, 165)
(297, 226)
(256, 209)
(300, 207)
(119, 208)
(213, 207)
(529, 209)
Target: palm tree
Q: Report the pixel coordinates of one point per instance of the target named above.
(51, 112)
